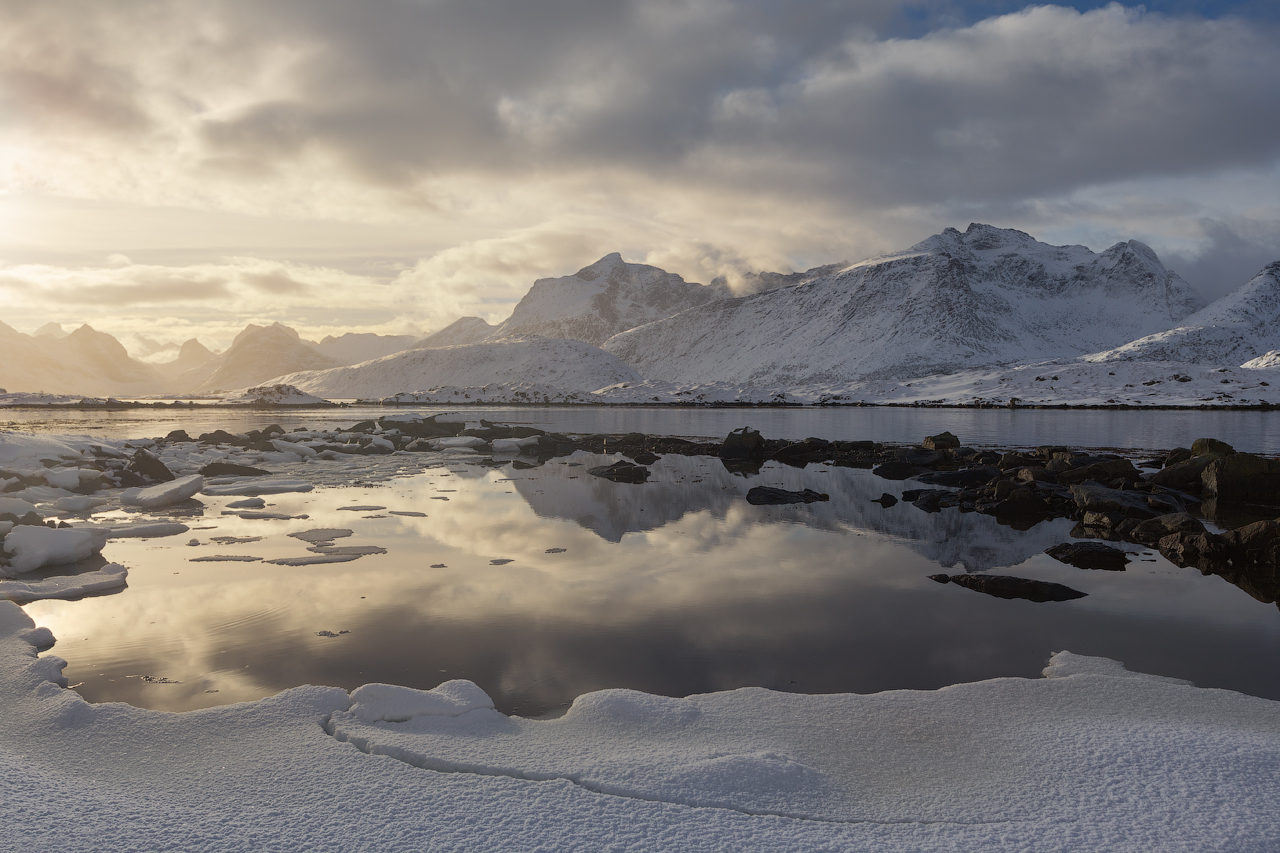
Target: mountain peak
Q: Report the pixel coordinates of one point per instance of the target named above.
(601, 267)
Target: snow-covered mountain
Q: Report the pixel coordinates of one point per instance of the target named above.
(258, 354)
(85, 361)
(467, 330)
(954, 301)
(191, 356)
(1239, 327)
(353, 348)
(599, 301)
(564, 364)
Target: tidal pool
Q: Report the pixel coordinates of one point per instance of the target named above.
(544, 583)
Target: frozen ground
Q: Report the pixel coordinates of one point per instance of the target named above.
(1089, 758)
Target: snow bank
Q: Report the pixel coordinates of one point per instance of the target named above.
(165, 494)
(33, 546)
(1094, 758)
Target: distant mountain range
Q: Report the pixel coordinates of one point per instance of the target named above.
(958, 301)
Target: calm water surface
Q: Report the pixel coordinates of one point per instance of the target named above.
(675, 587)
(1253, 431)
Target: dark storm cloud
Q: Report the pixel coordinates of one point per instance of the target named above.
(1235, 252)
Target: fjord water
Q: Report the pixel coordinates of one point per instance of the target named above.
(1248, 430)
(541, 584)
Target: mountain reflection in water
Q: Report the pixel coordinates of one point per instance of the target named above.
(676, 586)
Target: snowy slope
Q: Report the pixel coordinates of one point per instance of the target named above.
(1240, 326)
(85, 361)
(260, 353)
(466, 330)
(569, 365)
(191, 356)
(601, 300)
(353, 348)
(987, 296)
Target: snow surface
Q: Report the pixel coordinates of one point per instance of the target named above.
(1093, 758)
(954, 301)
(30, 547)
(165, 494)
(279, 394)
(603, 299)
(110, 576)
(565, 365)
(466, 330)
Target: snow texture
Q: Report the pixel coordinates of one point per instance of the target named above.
(954, 301)
(603, 299)
(165, 494)
(278, 394)
(111, 576)
(467, 330)
(562, 364)
(33, 547)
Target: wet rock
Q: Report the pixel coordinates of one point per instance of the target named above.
(885, 500)
(854, 446)
(274, 429)
(768, 495)
(1103, 520)
(1090, 555)
(800, 452)
(967, 478)
(1193, 549)
(1254, 544)
(149, 467)
(1211, 447)
(1242, 478)
(1178, 454)
(1110, 469)
(1021, 503)
(1032, 475)
(178, 435)
(1184, 476)
(621, 471)
(646, 457)
(1151, 531)
(521, 465)
(221, 436)
(1016, 460)
(228, 469)
(922, 458)
(898, 470)
(1095, 498)
(744, 443)
(941, 441)
(931, 500)
(1004, 586)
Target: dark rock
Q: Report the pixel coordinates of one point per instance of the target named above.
(1178, 454)
(1211, 447)
(149, 468)
(1193, 549)
(965, 479)
(854, 446)
(1109, 469)
(941, 441)
(363, 426)
(1016, 460)
(1242, 478)
(1092, 497)
(1104, 520)
(1004, 586)
(1089, 555)
(1022, 503)
(744, 443)
(898, 470)
(1151, 531)
(1033, 475)
(221, 436)
(178, 435)
(1185, 476)
(922, 458)
(621, 471)
(885, 500)
(768, 495)
(809, 450)
(931, 500)
(228, 469)
(521, 465)
(32, 518)
(646, 457)
(274, 429)
(1254, 544)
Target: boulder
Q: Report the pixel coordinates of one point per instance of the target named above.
(1242, 478)
(1090, 555)
(920, 457)
(228, 469)
(1096, 498)
(1152, 530)
(178, 435)
(1193, 549)
(1021, 503)
(646, 457)
(621, 471)
(1184, 476)
(941, 441)
(767, 495)
(1211, 447)
(800, 452)
(1110, 469)
(1254, 544)
(898, 470)
(149, 467)
(1178, 454)
(1004, 586)
(744, 443)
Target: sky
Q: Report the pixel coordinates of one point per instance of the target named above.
(180, 168)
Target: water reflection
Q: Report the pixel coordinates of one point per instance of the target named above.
(676, 586)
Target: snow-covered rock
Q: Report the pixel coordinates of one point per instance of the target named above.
(601, 300)
(562, 364)
(1239, 327)
(110, 576)
(33, 546)
(165, 494)
(954, 301)
(280, 394)
(467, 330)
